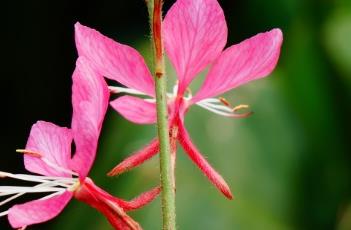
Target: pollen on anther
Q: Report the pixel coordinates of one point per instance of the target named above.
(239, 107)
(2, 175)
(224, 101)
(29, 152)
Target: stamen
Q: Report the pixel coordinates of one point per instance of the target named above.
(16, 196)
(64, 182)
(224, 101)
(11, 198)
(152, 100)
(214, 110)
(4, 213)
(67, 185)
(218, 107)
(8, 190)
(116, 89)
(239, 107)
(29, 152)
(222, 107)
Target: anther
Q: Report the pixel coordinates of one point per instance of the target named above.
(239, 107)
(3, 174)
(29, 152)
(224, 101)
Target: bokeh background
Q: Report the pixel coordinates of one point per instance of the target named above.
(289, 165)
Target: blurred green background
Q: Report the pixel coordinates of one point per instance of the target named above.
(289, 165)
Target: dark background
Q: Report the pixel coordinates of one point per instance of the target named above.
(289, 165)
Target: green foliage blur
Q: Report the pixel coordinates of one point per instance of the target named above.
(289, 165)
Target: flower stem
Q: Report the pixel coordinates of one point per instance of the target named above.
(168, 192)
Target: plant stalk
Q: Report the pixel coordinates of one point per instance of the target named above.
(168, 191)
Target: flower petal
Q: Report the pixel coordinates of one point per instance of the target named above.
(90, 100)
(195, 33)
(135, 109)
(202, 163)
(252, 59)
(114, 60)
(38, 211)
(53, 143)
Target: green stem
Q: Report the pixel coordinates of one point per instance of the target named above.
(168, 192)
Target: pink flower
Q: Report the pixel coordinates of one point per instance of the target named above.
(48, 153)
(195, 34)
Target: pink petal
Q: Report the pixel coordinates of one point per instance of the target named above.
(202, 163)
(38, 211)
(195, 33)
(53, 143)
(90, 97)
(135, 109)
(114, 60)
(252, 59)
(136, 158)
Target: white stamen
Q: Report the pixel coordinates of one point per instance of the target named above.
(11, 198)
(205, 106)
(70, 184)
(4, 213)
(16, 196)
(211, 100)
(24, 190)
(116, 89)
(34, 178)
(55, 185)
(7, 190)
(152, 100)
(48, 184)
(216, 106)
(56, 178)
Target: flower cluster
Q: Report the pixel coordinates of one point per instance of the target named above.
(194, 35)
(48, 154)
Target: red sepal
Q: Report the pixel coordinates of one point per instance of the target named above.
(201, 162)
(136, 158)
